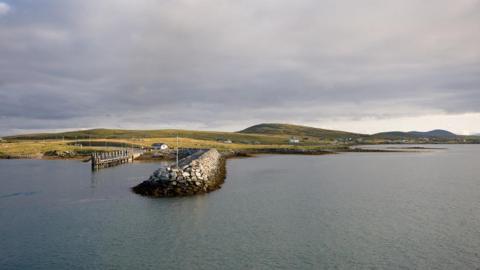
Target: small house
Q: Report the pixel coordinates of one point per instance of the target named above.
(227, 141)
(159, 146)
(294, 140)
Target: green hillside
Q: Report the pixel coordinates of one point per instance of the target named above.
(165, 133)
(437, 133)
(394, 135)
(262, 134)
(297, 130)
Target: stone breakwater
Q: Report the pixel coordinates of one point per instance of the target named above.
(169, 154)
(201, 172)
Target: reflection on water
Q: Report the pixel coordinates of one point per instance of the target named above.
(18, 194)
(404, 147)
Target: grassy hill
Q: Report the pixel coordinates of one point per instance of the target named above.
(258, 134)
(437, 133)
(297, 130)
(267, 133)
(239, 138)
(33, 145)
(258, 137)
(264, 136)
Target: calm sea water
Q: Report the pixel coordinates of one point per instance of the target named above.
(346, 211)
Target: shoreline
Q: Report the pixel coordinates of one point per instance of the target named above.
(230, 154)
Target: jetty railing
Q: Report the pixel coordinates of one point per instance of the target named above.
(113, 158)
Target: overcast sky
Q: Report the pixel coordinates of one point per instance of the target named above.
(364, 66)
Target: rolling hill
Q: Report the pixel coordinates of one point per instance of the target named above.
(437, 133)
(266, 133)
(263, 137)
(297, 130)
(164, 133)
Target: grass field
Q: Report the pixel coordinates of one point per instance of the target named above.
(35, 145)
(38, 148)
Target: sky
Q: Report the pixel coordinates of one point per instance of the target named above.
(363, 66)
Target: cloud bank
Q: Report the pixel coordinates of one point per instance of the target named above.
(4, 8)
(228, 64)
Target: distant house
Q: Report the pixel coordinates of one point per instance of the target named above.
(159, 146)
(294, 140)
(227, 141)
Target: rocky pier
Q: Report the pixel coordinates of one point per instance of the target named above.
(201, 172)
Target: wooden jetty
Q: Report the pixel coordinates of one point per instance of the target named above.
(113, 158)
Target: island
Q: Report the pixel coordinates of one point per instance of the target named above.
(269, 138)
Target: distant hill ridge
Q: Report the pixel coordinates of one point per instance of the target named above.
(437, 133)
(262, 133)
(296, 130)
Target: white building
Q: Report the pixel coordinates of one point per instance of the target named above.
(294, 140)
(159, 146)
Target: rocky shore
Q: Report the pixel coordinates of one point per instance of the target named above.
(201, 172)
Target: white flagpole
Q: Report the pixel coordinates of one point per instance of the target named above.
(177, 150)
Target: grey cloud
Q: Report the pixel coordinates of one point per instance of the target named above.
(69, 64)
(4, 9)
